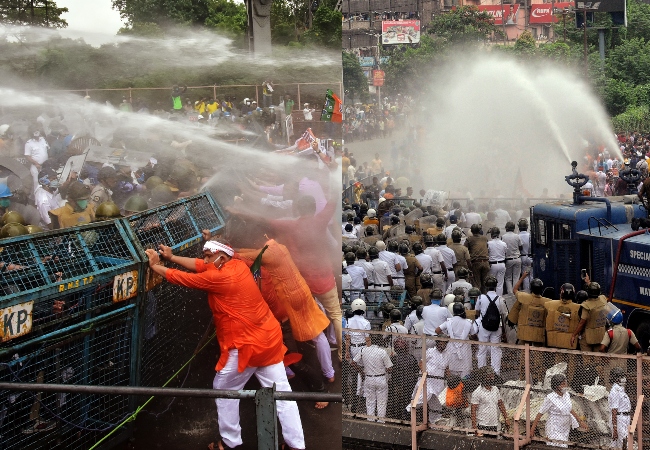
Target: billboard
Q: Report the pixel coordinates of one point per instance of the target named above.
(499, 11)
(377, 77)
(400, 32)
(543, 12)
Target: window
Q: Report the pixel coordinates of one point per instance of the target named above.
(540, 236)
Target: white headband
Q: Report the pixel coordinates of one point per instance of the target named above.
(214, 247)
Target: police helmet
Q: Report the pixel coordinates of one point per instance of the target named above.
(33, 229)
(13, 230)
(418, 311)
(616, 374)
(581, 296)
(12, 217)
(436, 294)
(416, 301)
(459, 291)
(463, 272)
(386, 308)
(350, 258)
(372, 213)
(491, 282)
(593, 289)
(440, 222)
(614, 315)
(78, 191)
(107, 210)
(136, 203)
(449, 299)
(358, 305)
(495, 232)
(428, 239)
(459, 298)
(403, 249)
(393, 246)
(426, 280)
(373, 252)
(395, 315)
(474, 293)
(152, 182)
(522, 224)
(456, 235)
(458, 309)
(536, 286)
(394, 220)
(381, 245)
(361, 253)
(409, 229)
(475, 229)
(568, 292)
(441, 238)
(370, 230)
(162, 194)
(417, 248)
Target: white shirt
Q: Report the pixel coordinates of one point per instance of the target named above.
(472, 218)
(374, 360)
(37, 149)
(513, 242)
(426, 262)
(436, 258)
(46, 201)
(496, 250)
(458, 328)
(434, 316)
(411, 319)
(307, 113)
(391, 259)
(382, 272)
(525, 242)
(437, 362)
(487, 413)
(358, 322)
(358, 274)
(501, 217)
(370, 271)
(448, 255)
(402, 262)
(346, 281)
(482, 303)
(618, 399)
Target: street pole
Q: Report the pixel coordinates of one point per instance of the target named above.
(503, 22)
(585, 41)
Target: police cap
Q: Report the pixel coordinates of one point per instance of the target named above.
(12, 217)
(13, 230)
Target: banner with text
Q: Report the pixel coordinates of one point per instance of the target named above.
(499, 11)
(543, 12)
(400, 32)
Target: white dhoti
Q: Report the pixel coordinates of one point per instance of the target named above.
(228, 410)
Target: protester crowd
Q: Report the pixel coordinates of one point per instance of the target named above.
(374, 121)
(277, 242)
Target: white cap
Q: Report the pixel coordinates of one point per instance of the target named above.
(381, 245)
(381, 200)
(3, 129)
(372, 213)
(306, 104)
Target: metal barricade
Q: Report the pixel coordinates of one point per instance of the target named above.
(69, 313)
(173, 320)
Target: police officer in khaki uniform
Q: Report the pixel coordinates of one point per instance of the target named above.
(562, 319)
(478, 252)
(528, 313)
(593, 320)
(463, 258)
(76, 211)
(412, 271)
(102, 192)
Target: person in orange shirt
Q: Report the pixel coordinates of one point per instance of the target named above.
(306, 320)
(250, 338)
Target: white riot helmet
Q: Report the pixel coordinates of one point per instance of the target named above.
(448, 300)
(372, 213)
(358, 305)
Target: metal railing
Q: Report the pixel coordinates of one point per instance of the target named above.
(265, 398)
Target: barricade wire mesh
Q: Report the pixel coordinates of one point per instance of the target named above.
(589, 377)
(66, 274)
(174, 318)
(99, 355)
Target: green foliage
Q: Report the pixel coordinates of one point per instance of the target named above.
(142, 29)
(354, 80)
(630, 61)
(464, 24)
(36, 12)
(326, 28)
(525, 45)
(635, 118)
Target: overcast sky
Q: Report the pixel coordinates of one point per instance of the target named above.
(94, 20)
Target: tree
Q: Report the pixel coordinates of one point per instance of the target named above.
(354, 80)
(326, 28)
(525, 45)
(32, 12)
(464, 24)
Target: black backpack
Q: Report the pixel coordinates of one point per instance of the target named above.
(492, 318)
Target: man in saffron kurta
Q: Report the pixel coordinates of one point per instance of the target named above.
(249, 336)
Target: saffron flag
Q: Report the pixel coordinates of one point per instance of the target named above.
(333, 108)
